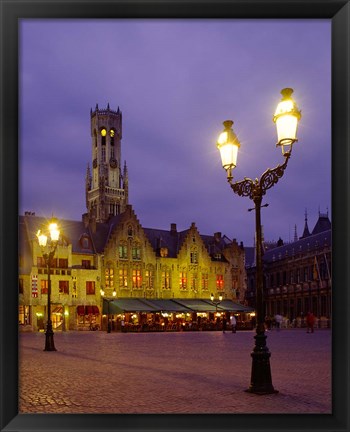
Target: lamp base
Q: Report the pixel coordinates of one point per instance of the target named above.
(49, 342)
(261, 380)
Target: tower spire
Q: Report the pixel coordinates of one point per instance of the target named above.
(306, 232)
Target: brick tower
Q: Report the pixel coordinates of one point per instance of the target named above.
(106, 184)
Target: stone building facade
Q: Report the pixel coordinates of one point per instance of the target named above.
(298, 276)
(108, 251)
(124, 260)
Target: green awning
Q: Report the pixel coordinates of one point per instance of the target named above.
(231, 306)
(127, 305)
(196, 305)
(167, 305)
(119, 306)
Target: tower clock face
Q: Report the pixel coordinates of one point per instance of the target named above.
(103, 132)
(111, 132)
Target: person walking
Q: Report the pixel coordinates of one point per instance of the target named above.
(310, 322)
(233, 322)
(279, 320)
(224, 324)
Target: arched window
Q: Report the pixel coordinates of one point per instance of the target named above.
(111, 135)
(149, 276)
(194, 255)
(103, 136)
(109, 276)
(136, 252)
(166, 285)
(123, 250)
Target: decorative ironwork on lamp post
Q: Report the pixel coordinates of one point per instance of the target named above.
(286, 117)
(48, 238)
(108, 302)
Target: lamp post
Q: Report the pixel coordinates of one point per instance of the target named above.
(108, 301)
(215, 302)
(286, 117)
(48, 241)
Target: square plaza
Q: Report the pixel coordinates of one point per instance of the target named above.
(182, 372)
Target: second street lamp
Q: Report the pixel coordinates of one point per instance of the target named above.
(48, 240)
(286, 118)
(216, 302)
(108, 302)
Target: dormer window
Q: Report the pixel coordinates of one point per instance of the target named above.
(85, 242)
(130, 231)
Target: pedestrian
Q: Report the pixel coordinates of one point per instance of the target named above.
(278, 319)
(224, 324)
(233, 322)
(310, 322)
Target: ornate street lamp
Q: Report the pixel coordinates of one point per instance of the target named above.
(108, 301)
(216, 302)
(286, 118)
(48, 239)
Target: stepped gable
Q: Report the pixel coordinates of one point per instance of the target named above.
(169, 239)
(215, 244)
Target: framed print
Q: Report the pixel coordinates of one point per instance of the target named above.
(139, 291)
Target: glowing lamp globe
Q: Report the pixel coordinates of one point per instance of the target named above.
(287, 116)
(228, 145)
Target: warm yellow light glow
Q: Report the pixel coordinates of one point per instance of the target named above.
(102, 292)
(222, 138)
(228, 145)
(103, 132)
(112, 133)
(287, 116)
(220, 297)
(42, 238)
(54, 231)
(114, 293)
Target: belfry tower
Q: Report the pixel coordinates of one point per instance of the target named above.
(106, 184)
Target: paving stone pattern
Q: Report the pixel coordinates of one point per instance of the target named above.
(185, 372)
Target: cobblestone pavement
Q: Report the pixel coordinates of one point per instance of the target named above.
(186, 372)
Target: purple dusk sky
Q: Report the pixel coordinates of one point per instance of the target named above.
(175, 82)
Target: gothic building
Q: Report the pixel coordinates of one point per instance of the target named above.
(109, 255)
(297, 275)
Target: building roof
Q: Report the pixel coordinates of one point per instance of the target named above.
(307, 244)
(74, 232)
(323, 224)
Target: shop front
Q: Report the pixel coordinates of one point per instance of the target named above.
(88, 317)
(137, 315)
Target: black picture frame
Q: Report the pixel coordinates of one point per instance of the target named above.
(14, 10)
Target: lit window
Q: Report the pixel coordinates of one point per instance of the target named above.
(109, 277)
(219, 282)
(136, 278)
(123, 278)
(183, 280)
(166, 279)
